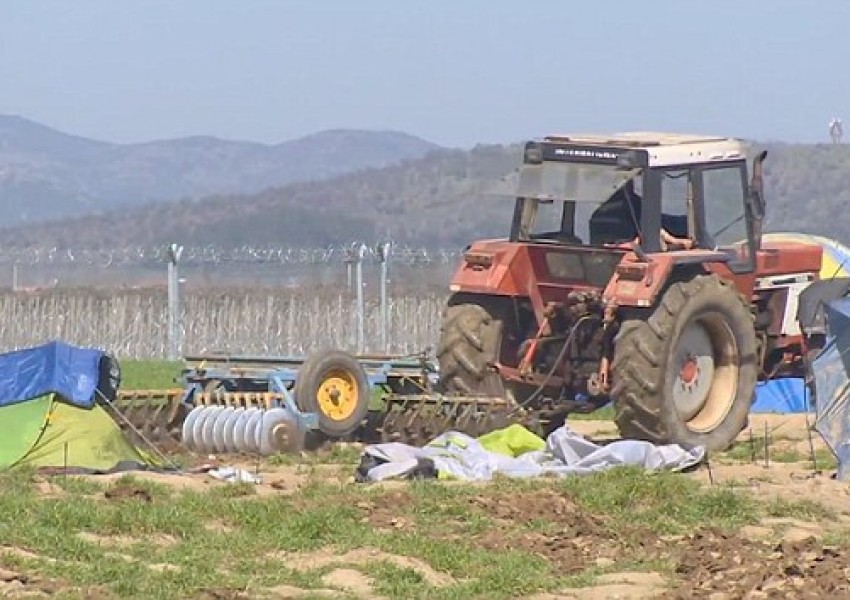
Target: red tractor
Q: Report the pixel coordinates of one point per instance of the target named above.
(634, 274)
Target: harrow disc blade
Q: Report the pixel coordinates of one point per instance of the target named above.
(228, 435)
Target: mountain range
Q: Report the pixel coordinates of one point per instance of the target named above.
(46, 174)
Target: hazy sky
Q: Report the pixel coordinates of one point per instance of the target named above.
(456, 73)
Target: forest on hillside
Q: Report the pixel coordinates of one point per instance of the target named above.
(440, 201)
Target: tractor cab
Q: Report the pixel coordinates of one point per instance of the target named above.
(658, 191)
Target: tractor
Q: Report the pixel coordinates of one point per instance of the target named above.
(634, 274)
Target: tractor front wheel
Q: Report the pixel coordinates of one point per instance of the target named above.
(687, 374)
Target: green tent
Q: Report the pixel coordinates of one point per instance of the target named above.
(48, 432)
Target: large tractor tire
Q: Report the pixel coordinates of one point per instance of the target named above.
(687, 374)
(471, 339)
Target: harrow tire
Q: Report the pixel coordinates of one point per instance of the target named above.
(652, 384)
(327, 368)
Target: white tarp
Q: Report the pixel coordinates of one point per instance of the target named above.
(459, 456)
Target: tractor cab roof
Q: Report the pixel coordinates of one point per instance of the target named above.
(637, 149)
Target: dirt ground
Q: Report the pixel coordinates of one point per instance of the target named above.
(780, 557)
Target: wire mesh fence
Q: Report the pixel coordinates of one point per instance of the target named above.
(263, 300)
(269, 321)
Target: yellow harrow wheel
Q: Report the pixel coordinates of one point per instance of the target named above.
(333, 384)
(338, 394)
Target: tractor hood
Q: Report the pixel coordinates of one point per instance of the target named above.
(500, 267)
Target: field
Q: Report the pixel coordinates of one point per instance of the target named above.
(761, 521)
(745, 526)
(151, 374)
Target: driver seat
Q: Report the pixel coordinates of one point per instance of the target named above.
(612, 222)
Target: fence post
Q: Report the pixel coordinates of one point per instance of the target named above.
(384, 257)
(15, 277)
(174, 325)
(361, 253)
(349, 263)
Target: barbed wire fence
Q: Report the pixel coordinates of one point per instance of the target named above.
(294, 312)
(130, 256)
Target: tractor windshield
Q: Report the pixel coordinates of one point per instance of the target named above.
(558, 200)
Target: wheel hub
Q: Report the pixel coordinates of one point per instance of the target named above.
(694, 360)
(690, 371)
(704, 378)
(337, 395)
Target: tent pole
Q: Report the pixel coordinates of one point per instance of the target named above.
(766, 446)
(752, 446)
(806, 371)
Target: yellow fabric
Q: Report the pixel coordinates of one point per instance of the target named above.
(831, 268)
(513, 441)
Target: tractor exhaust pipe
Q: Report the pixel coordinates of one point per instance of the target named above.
(755, 198)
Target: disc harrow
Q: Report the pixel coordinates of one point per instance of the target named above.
(418, 419)
(157, 415)
(322, 408)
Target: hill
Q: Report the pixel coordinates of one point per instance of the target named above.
(46, 174)
(438, 200)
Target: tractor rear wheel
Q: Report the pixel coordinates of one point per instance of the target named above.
(687, 374)
(470, 342)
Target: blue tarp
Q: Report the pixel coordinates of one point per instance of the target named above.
(55, 367)
(786, 395)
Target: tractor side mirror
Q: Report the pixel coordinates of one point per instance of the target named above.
(755, 194)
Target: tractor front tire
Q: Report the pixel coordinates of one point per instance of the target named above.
(687, 374)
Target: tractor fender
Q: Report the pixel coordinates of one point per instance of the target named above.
(638, 282)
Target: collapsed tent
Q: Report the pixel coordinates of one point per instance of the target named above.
(516, 452)
(790, 395)
(50, 416)
(49, 432)
(832, 385)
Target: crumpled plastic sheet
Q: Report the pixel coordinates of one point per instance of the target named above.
(458, 456)
(234, 475)
(833, 405)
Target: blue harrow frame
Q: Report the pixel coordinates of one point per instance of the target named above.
(270, 381)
